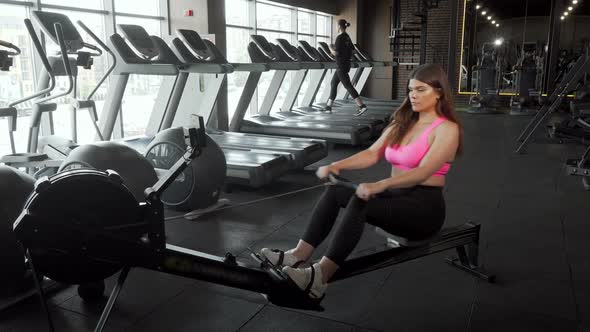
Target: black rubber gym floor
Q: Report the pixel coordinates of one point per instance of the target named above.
(535, 239)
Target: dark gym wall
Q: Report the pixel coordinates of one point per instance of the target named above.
(373, 35)
(374, 39)
(348, 10)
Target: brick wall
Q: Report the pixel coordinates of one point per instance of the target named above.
(438, 28)
(373, 36)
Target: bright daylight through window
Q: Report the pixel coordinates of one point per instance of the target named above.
(21, 80)
(271, 20)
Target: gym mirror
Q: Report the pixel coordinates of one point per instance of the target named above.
(503, 45)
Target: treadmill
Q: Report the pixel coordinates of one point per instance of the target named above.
(317, 78)
(196, 53)
(364, 75)
(142, 54)
(261, 51)
(377, 124)
(324, 77)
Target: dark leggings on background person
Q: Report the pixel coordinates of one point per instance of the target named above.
(342, 76)
(414, 213)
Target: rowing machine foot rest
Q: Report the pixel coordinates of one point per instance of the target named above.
(284, 292)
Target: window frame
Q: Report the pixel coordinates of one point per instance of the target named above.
(109, 16)
(254, 28)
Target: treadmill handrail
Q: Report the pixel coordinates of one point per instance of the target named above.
(206, 68)
(15, 50)
(155, 69)
(284, 65)
(312, 65)
(107, 49)
(250, 67)
(44, 61)
(66, 61)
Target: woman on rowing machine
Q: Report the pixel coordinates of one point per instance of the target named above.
(421, 141)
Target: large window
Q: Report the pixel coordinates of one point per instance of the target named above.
(134, 7)
(273, 17)
(142, 90)
(19, 81)
(272, 20)
(100, 17)
(237, 12)
(304, 22)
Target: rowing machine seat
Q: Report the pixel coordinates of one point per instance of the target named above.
(399, 241)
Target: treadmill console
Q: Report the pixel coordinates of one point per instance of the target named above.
(47, 21)
(325, 49)
(265, 47)
(6, 57)
(309, 50)
(195, 44)
(139, 40)
(289, 49)
(361, 54)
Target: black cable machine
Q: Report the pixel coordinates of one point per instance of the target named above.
(552, 103)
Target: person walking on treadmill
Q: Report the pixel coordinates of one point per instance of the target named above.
(343, 49)
(422, 139)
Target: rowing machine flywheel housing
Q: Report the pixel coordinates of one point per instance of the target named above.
(69, 220)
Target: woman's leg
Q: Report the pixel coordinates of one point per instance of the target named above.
(313, 280)
(402, 214)
(404, 210)
(322, 220)
(345, 238)
(345, 79)
(333, 90)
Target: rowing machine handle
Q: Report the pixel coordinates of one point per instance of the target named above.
(340, 181)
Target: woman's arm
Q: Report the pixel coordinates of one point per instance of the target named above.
(333, 49)
(443, 149)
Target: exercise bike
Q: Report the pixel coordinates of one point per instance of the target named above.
(75, 235)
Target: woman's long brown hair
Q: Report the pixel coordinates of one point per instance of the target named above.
(404, 118)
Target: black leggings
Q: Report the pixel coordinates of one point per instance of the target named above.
(414, 213)
(341, 75)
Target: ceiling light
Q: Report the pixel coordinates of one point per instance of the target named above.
(570, 8)
(489, 18)
(477, 7)
(497, 25)
(483, 13)
(498, 41)
(494, 22)
(566, 14)
(575, 2)
(563, 18)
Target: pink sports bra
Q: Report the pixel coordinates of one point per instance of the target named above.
(406, 157)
